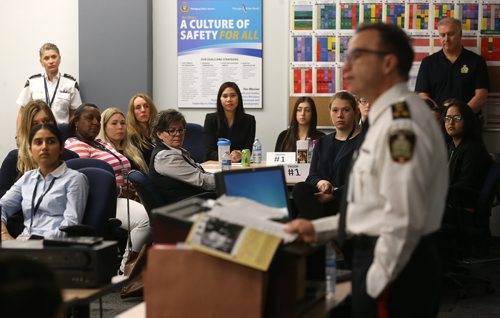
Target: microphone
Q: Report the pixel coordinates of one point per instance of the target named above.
(125, 174)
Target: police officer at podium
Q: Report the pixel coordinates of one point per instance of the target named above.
(396, 189)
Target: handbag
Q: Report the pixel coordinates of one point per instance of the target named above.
(136, 262)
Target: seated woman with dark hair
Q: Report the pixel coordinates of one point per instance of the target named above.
(302, 125)
(318, 195)
(86, 125)
(469, 160)
(18, 161)
(231, 122)
(172, 170)
(50, 196)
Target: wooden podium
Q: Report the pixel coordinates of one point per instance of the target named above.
(187, 283)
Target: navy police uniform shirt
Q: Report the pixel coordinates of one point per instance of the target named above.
(442, 79)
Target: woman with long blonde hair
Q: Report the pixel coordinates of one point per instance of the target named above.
(114, 131)
(140, 117)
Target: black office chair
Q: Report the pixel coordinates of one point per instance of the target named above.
(148, 194)
(194, 142)
(471, 236)
(99, 216)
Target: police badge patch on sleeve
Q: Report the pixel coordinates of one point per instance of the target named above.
(402, 144)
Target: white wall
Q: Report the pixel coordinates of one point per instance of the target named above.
(272, 119)
(26, 25)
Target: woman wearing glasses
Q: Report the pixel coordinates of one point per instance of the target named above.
(86, 126)
(469, 160)
(172, 170)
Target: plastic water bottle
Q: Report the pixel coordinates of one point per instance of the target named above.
(223, 145)
(330, 269)
(226, 161)
(257, 151)
(309, 150)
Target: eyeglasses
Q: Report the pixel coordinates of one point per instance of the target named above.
(455, 119)
(173, 132)
(355, 54)
(363, 101)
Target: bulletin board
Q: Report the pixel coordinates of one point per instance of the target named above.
(320, 30)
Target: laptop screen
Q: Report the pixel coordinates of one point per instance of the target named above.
(264, 185)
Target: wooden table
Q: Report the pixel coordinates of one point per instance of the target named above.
(214, 166)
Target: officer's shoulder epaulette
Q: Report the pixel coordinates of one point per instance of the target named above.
(69, 76)
(35, 76)
(400, 110)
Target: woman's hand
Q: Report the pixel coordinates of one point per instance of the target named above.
(324, 186)
(5, 233)
(127, 190)
(236, 156)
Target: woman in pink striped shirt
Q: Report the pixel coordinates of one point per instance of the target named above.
(86, 125)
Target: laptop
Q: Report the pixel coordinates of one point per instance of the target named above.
(264, 185)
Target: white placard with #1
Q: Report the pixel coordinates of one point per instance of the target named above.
(279, 158)
(296, 172)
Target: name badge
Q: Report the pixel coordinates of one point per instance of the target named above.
(279, 158)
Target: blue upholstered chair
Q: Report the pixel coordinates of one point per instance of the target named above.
(149, 195)
(194, 142)
(65, 132)
(99, 216)
(78, 163)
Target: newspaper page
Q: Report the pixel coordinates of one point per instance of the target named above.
(234, 242)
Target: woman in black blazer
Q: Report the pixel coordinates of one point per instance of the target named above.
(231, 122)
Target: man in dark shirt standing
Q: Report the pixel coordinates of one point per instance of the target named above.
(453, 72)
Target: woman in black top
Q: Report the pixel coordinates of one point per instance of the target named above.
(469, 160)
(318, 195)
(302, 125)
(231, 122)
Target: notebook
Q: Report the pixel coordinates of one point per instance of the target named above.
(265, 185)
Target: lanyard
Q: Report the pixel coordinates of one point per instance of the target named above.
(124, 171)
(49, 102)
(34, 208)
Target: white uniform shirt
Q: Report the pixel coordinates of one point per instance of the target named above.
(397, 200)
(67, 94)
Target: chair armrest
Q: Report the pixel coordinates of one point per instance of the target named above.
(114, 223)
(78, 230)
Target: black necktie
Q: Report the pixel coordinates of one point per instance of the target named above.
(343, 202)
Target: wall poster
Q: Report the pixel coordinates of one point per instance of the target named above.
(218, 41)
(320, 30)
